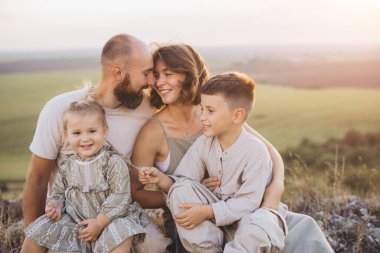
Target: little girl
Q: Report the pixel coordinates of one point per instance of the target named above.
(90, 208)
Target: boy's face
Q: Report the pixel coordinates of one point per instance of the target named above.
(216, 117)
(85, 134)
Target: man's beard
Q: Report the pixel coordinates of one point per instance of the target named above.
(130, 99)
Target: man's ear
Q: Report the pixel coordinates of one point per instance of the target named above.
(239, 116)
(117, 73)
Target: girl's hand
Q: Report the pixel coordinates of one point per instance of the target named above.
(53, 210)
(211, 183)
(91, 231)
(149, 175)
(194, 215)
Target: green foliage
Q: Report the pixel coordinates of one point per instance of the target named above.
(22, 96)
(352, 163)
(285, 116)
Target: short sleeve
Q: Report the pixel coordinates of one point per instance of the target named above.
(48, 137)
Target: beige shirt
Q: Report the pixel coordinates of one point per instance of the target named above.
(124, 125)
(244, 170)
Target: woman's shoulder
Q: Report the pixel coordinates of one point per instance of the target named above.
(153, 131)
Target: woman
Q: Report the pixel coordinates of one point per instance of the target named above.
(162, 142)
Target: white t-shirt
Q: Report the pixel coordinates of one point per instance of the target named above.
(124, 125)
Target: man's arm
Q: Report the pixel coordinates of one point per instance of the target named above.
(35, 189)
(274, 190)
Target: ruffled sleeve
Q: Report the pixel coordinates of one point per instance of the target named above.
(59, 186)
(119, 198)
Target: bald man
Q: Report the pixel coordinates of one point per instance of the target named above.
(126, 69)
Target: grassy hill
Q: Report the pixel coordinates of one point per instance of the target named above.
(284, 115)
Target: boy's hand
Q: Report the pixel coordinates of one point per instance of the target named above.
(194, 215)
(149, 175)
(92, 230)
(211, 183)
(53, 210)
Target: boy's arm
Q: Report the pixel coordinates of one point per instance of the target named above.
(152, 175)
(248, 197)
(192, 165)
(273, 192)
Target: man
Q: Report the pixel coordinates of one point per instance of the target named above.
(126, 69)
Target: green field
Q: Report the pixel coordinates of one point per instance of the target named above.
(284, 115)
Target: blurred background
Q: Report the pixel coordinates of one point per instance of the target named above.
(316, 65)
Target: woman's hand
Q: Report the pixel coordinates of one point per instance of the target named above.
(53, 210)
(211, 183)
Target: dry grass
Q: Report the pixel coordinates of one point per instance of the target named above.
(350, 223)
(11, 225)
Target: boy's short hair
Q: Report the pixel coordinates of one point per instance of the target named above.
(238, 89)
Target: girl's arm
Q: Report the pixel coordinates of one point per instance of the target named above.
(147, 146)
(274, 191)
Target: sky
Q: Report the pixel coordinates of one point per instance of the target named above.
(87, 24)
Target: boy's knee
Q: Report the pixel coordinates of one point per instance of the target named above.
(179, 192)
(265, 228)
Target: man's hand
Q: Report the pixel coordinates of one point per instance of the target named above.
(92, 230)
(211, 183)
(149, 175)
(194, 215)
(53, 210)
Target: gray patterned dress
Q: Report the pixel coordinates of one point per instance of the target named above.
(87, 187)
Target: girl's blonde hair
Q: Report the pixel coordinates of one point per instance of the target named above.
(84, 107)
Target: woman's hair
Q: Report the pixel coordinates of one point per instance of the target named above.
(184, 59)
(84, 107)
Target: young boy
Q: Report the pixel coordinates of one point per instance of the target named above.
(205, 220)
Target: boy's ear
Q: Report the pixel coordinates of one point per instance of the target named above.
(239, 116)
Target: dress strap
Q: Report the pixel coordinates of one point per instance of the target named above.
(161, 125)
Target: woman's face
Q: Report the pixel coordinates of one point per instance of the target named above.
(168, 82)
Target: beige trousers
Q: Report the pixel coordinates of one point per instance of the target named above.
(304, 235)
(261, 231)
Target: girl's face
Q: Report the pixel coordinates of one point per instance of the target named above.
(85, 133)
(168, 82)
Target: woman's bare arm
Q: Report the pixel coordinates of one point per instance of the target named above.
(147, 146)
